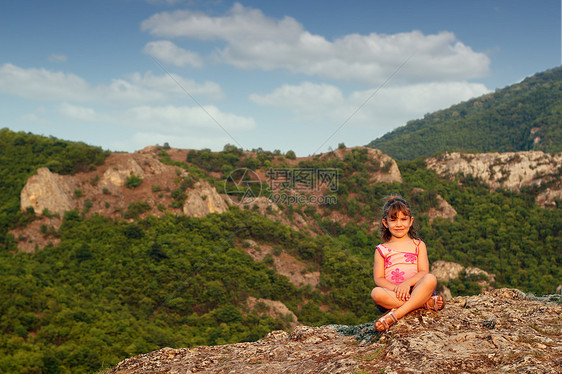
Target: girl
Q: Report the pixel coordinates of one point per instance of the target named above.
(401, 268)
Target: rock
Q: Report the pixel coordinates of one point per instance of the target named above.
(489, 278)
(445, 270)
(510, 170)
(103, 191)
(502, 330)
(46, 190)
(388, 172)
(202, 200)
(443, 210)
(272, 308)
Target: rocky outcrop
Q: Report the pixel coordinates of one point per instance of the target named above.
(46, 190)
(389, 168)
(510, 170)
(273, 308)
(498, 331)
(446, 271)
(104, 191)
(202, 200)
(443, 210)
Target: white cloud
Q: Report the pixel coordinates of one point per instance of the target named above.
(170, 53)
(308, 100)
(168, 120)
(254, 40)
(178, 119)
(174, 84)
(42, 84)
(326, 106)
(78, 113)
(32, 118)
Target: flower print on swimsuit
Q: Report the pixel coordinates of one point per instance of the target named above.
(387, 262)
(397, 276)
(411, 257)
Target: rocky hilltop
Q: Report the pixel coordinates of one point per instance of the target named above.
(498, 331)
(106, 191)
(510, 170)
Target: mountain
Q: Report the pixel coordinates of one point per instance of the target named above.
(522, 117)
(105, 255)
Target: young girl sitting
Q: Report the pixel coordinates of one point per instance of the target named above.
(401, 268)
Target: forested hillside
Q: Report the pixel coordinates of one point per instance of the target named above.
(522, 117)
(113, 288)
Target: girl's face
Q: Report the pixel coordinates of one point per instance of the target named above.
(399, 226)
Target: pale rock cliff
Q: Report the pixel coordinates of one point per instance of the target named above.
(202, 200)
(446, 271)
(46, 190)
(444, 210)
(272, 308)
(499, 331)
(510, 170)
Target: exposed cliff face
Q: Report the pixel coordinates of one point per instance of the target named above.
(104, 191)
(446, 271)
(498, 331)
(510, 170)
(202, 200)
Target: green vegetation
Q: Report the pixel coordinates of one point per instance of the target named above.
(115, 288)
(21, 154)
(133, 181)
(508, 120)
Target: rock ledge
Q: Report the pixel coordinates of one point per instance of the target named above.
(497, 331)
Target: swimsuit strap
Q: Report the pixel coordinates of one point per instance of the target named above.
(417, 245)
(382, 249)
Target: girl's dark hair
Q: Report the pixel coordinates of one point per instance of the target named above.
(392, 206)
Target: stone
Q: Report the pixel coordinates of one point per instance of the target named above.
(526, 337)
(46, 190)
(509, 170)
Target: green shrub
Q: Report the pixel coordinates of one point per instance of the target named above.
(133, 181)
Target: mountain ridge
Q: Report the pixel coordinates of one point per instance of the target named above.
(522, 117)
(129, 270)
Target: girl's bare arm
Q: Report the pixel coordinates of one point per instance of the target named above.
(378, 273)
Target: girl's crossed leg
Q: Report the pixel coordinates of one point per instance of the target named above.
(421, 293)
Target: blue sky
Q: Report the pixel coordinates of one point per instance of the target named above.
(300, 75)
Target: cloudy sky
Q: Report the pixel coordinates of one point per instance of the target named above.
(304, 75)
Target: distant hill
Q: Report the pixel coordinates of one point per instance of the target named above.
(105, 256)
(522, 117)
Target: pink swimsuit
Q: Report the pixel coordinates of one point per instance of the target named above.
(399, 266)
